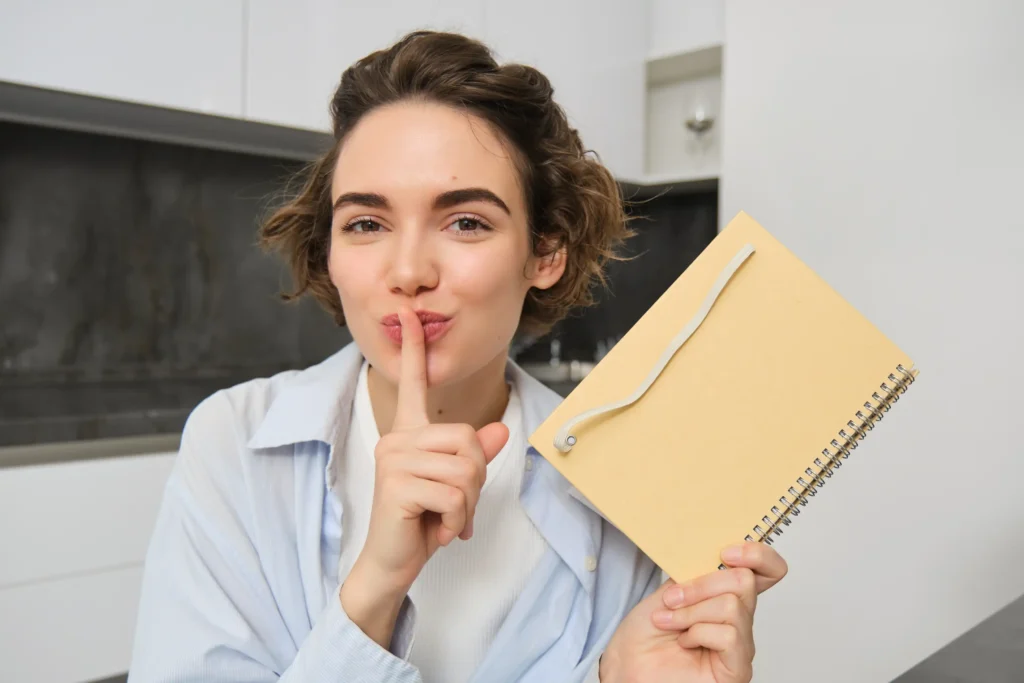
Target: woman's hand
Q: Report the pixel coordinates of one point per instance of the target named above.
(427, 484)
(697, 632)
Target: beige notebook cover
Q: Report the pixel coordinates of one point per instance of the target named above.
(780, 381)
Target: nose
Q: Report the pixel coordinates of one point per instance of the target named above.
(412, 268)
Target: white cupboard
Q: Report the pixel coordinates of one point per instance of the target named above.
(593, 52)
(297, 51)
(74, 537)
(183, 55)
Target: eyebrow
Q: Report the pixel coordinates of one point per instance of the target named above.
(445, 200)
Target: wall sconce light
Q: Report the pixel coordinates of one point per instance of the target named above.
(700, 122)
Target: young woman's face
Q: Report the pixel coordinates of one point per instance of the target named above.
(429, 212)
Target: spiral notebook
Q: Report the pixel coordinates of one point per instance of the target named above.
(726, 406)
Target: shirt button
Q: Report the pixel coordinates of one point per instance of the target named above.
(529, 463)
(590, 563)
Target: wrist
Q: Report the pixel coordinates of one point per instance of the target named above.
(372, 603)
(608, 665)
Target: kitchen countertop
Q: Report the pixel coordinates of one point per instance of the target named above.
(44, 412)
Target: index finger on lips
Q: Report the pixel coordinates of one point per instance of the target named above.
(768, 566)
(738, 581)
(411, 410)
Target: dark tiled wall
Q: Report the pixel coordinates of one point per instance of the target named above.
(131, 286)
(671, 231)
(137, 258)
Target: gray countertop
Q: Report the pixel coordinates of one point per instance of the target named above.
(37, 412)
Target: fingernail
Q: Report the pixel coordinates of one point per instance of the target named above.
(674, 597)
(733, 553)
(662, 618)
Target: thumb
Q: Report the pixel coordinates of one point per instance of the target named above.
(492, 439)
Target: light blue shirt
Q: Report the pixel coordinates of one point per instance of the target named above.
(241, 579)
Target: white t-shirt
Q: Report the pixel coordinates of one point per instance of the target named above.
(465, 591)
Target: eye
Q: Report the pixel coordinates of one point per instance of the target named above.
(468, 225)
(362, 226)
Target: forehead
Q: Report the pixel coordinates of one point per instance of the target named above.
(423, 148)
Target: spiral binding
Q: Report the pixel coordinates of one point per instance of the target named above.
(889, 392)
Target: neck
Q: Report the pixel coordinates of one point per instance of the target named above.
(476, 400)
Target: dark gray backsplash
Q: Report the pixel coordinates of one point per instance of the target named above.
(672, 230)
(131, 285)
(137, 258)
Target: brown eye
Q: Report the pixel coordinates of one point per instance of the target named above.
(467, 225)
(362, 226)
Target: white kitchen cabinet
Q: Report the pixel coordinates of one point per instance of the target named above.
(185, 54)
(77, 517)
(78, 628)
(297, 51)
(74, 536)
(593, 51)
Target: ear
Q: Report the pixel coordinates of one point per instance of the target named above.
(545, 271)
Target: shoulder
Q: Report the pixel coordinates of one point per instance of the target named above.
(238, 411)
(213, 455)
(228, 434)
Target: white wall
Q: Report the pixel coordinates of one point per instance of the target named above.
(681, 25)
(884, 143)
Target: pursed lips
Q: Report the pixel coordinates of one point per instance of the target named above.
(435, 325)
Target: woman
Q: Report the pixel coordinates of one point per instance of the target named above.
(456, 208)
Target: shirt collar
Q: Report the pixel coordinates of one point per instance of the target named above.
(314, 404)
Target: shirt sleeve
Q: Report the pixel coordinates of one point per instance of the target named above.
(207, 612)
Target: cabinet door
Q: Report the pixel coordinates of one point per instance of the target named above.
(74, 536)
(593, 52)
(185, 54)
(72, 628)
(297, 51)
(78, 517)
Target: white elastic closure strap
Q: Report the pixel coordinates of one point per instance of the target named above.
(564, 441)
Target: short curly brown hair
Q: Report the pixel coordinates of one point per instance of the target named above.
(572, 201)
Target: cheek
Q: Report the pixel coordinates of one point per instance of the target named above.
(494, 280)
(350, 275)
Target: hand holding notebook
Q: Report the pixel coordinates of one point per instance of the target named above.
(726, 406)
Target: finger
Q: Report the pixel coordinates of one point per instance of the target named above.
(481, 446)
(457, 440)
(466, 474)
(736, 650)
(493, 438)
(462, 439)
(722, 609)
(452, 438)
(423, 495)
(412, 381)
(768, 566)
(739, 581)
